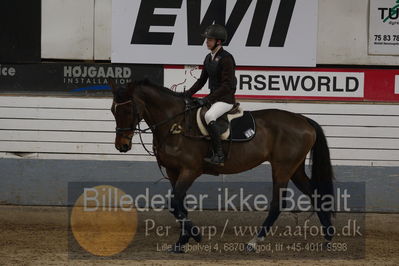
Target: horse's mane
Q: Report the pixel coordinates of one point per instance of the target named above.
(162, 89)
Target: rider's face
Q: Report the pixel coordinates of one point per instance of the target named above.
(210, 43)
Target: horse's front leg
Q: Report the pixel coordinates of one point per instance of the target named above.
(183, 183)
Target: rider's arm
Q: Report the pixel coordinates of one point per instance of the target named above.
(198, 84)
(227, 80)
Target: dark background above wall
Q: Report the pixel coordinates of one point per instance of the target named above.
(20, 31)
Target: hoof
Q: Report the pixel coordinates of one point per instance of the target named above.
(328, 234)
(197, 238)
(326, 243)
(328, 238)
(195, 234)
(250, 247)
(177, 248)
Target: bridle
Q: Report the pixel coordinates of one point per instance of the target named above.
(150, 127)
(120, 130)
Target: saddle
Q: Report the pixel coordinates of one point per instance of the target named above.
(235, 125)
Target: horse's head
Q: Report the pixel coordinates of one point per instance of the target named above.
(126, 115)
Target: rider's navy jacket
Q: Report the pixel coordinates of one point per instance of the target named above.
(221, 74)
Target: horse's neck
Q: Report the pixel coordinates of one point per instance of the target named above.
(159, 106)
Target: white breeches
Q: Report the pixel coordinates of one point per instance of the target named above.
(217, 110)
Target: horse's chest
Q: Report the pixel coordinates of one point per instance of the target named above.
(172, 150)
(169, 152)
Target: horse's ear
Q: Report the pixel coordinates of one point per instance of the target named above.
(112, 84)
(131, 85)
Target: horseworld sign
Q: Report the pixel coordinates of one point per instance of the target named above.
(261, 32)
(328, 84)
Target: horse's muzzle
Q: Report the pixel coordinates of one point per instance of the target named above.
(125, 148)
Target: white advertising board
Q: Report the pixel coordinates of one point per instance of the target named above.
(384, 27)
(261, 32)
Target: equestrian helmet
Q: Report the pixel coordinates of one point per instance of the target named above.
(215, 31)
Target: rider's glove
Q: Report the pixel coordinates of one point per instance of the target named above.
(197, 102)
(202, 101)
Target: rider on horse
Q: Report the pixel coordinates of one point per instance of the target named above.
(219, 68)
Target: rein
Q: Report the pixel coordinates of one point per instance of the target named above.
(150, 127)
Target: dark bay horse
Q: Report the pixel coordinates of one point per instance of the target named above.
(282, 138)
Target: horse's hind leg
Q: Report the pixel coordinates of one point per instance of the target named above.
(302, 182)
(282, 173)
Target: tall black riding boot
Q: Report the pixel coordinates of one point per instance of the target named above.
(218, 155)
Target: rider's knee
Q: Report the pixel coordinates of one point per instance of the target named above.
(209, 117)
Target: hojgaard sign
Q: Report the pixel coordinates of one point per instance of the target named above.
(261, 32)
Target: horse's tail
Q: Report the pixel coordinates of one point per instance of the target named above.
(322, 172)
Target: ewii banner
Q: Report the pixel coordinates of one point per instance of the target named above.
(332, 84)
(261, 32)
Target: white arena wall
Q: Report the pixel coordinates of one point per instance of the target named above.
(83, 128)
